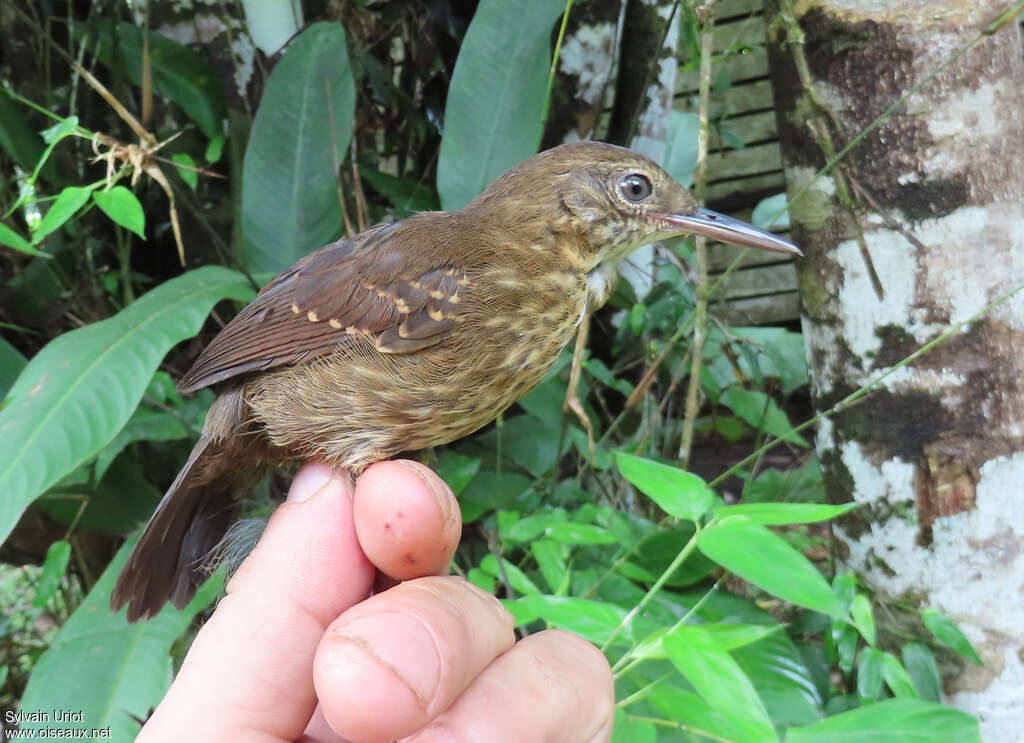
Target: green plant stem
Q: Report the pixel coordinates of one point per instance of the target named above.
(642, 692)
(554, 69)
(860, 392)
(700, 182)
(653, 590)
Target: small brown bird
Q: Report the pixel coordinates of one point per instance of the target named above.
(409, 335)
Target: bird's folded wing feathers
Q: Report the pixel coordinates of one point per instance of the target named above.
(351, 287)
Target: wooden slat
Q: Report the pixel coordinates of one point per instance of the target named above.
(755, 282)
(739, 99)
(777, 308)
(720, 257)
(748, 31)
(728, 8)
(757, 127)
(763, 185)
(762, 158)
(742, 67)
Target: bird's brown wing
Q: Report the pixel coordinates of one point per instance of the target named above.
(361, 286)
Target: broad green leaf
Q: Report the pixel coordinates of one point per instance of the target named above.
(299, 138)
(54, 567)
(189, 176)
(146, 424)
(519, 581)
(681, 146)
(492, 117)
(869, 673)
(594, 620)
(11, 364)
(902, 720)
(783, 513)
(763, 558)
(724, 636)
(896, 677)
(179, 74)
(946, 632)
(112, 672)
(761, 412)
(782, 678)
(123, 208)
(406, 196)
(69, 201)
(456, 469)
(550, 559)
(693, 712)
(778, 352)
(923, 670)
(526, 442)
(863, 617)
(628, 730)
(771, 213)
(679, 493)
(529, 528)
(571, 532)
(724, 686)
(491, 489)
(482, 579)
(77, 393)
(19, 140)
(12, 239)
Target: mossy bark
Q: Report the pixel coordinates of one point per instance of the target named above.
(930, 204)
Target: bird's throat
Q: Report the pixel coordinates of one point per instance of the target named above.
(600, 284)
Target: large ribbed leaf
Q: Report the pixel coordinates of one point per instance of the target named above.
(109, 671)
(492, 115)
(77, 393)
(289, 178)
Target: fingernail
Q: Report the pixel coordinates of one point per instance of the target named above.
(438, 488)
(400, 643)
(309, 479)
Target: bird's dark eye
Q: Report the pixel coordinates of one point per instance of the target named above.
(635, 187)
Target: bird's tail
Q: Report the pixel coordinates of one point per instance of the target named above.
(167, 563)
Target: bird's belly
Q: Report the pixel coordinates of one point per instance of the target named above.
(354, 408)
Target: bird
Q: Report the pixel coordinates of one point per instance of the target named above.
(409, 335)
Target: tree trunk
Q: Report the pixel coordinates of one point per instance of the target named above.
(921, 227)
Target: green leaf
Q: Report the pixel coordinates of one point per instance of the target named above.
(763, 558)
(783, 513)
(527, 442)
(123, 208)
(782, 678)
(77, 393)
(11, 364)
(594, 620)
(679, 493)
(456, 469)
(771, 213)
(529, 528)
(571, 532)
(724, 636)
(863, 617)
(190, 177)
(12, 239)
(692, 711)
(681, 146)
(406, 196)
(179, 74)
(724, 686)
(946, 632)
(896, 677)
(19, 140)
(902, 720)
(550, 559)
(146, 424)
(69, 201)
(628, 730)
(299, 138)
(507, 570)
(869, 673)
(492, 117)
(112, 672)
(54, 567)
(761, 412)
(923, 670)
(214, 149)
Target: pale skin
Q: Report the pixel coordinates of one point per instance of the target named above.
(299, 650)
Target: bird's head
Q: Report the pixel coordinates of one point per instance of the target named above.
(618, 200)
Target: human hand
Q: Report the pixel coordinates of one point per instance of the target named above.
(299, 650)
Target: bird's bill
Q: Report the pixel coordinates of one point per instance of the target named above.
(725, 229)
